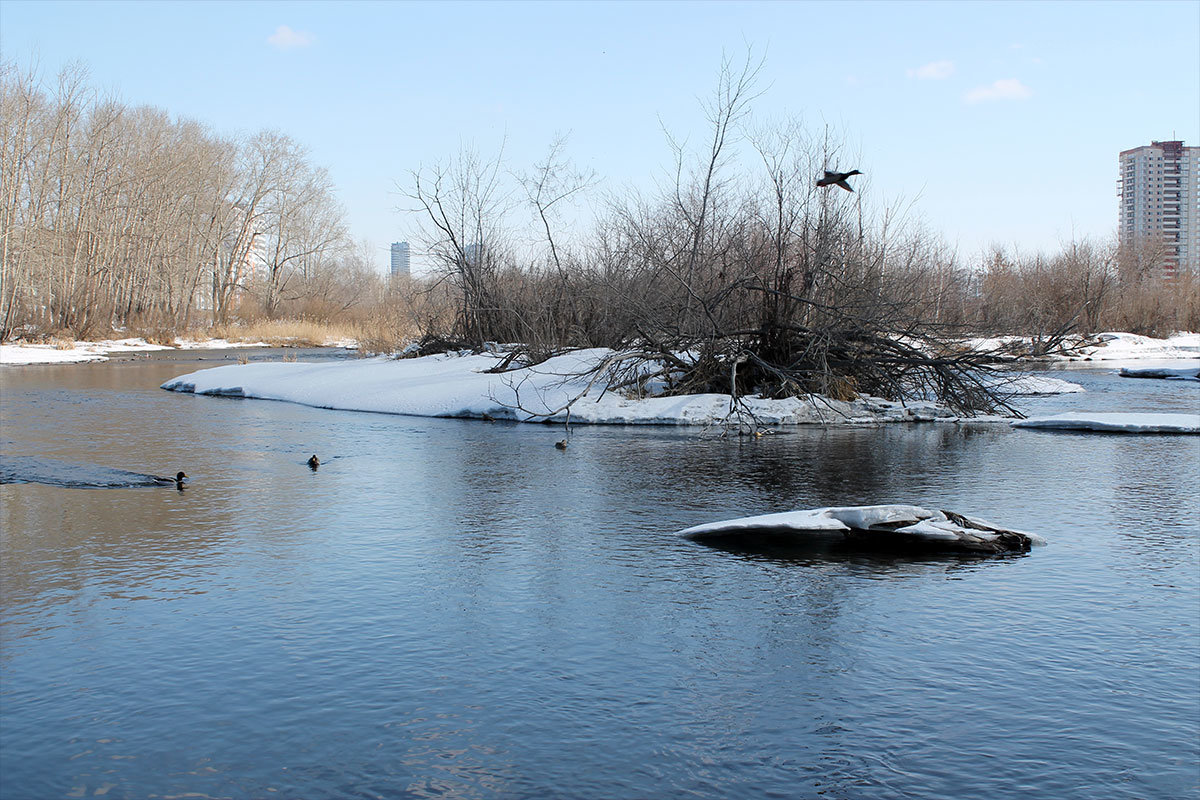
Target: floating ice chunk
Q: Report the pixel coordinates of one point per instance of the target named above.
(1164, 373)
(1115, 422)
(885, 525)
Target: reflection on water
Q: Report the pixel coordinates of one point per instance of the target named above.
(459, 609)
(878, 554)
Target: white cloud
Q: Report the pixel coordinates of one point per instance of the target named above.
(284, 38)
(1003, 89)
(933, 71)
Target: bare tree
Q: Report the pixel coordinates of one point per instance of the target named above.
(465, 203)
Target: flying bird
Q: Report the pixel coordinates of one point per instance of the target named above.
(837, 179)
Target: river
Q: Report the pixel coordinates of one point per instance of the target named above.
(452, 608)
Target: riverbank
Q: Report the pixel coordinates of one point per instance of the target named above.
(1112, 346)
(26, 354)
(1108, 346)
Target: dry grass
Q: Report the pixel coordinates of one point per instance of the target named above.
(378, 334)
(159, 336)
(282, 332)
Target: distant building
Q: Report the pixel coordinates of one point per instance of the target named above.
(400, 263)
(1159, 187)
(473, 253)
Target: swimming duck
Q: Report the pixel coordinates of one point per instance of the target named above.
(178, 480)
(561, 445)
(837, 179)
(313, 463)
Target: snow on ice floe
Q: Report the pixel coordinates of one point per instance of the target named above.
(1162, 373)
(456, 385)
(887, 526)
(1115, 422)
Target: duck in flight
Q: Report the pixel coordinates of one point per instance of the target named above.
(837, 179)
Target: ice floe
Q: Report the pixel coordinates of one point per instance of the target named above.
(459, 385)
(885, 526)
(1163, 373)
(1115, 422)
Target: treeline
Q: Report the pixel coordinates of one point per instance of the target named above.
(1087, 287)
(113, 215)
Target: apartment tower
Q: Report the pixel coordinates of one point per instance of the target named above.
(400, 264)
(1159, 187)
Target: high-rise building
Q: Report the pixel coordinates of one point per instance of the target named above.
(399, 259)
(1159, 187)
(473, 253)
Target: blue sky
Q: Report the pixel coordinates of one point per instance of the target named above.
(1001, 122)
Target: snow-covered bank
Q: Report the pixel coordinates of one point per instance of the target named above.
(82, 352)
(887, 526)
(78, 352)
(1110, 346)
(459, 386)
(1116, 346)
(1115, 423)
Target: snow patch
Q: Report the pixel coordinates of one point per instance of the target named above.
(214, 344)
(23, 354)
(458, 385)
(1108, 346)
(884, 524)
(1034, 385)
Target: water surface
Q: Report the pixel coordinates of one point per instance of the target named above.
(455, 608)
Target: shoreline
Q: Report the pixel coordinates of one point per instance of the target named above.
(556, 391)
(36, 355)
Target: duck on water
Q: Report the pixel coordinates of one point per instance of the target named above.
(177, 481)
